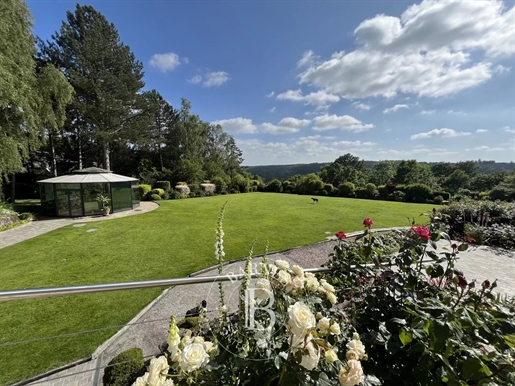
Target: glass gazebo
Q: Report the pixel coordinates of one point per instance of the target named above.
(75, 195)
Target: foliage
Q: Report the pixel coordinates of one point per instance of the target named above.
(274, 186)
(310, 184)
(345, 189)
(208, 189)
(123, 369)
(26, 216)
(104, 201)
(221, 185)
(456, 181)
(424, 325)
(155, 197)
(418, 193)
(143, 191)
(165, 185)
(158, 191)
(502, 192)
(175, 195)
(347, 168)
(445, 195)
(183, 189)
(413, 172)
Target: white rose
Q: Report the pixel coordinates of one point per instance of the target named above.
(322, 290)
(352, 375)
(141, 381)
(328, 287)
(295, 284)
(310, 361)
(282, 264)
(224, 309)
(198, 339)
(335, 329)
(284, 277)
(301, 319)
(272, 269)
(319, 315)
(331, 297)
(298, 271)
(330, 356)
(263, 289)
(298, 342)
(158, 366)
(193, 357)
(323, 325)
(311, 284)
(168, 382)
(357, 346)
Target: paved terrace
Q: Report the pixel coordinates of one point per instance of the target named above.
(150, 327)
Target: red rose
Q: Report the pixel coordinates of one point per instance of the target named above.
(422, 232)
(454, 246)
(462, 282)
(340, 235)
(368, 222)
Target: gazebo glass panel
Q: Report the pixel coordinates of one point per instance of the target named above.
(121, 195)
(135, 194)
(90, 193)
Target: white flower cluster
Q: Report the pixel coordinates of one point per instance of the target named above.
(352, 373)
(191, 353)
(208, 188)
(295, 279)
(156, 375)
(183, 189)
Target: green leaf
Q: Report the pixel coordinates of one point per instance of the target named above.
(323, 380)
(405, 336)
(463, 247)
(510, 340)
(474, 369)
(277, 362)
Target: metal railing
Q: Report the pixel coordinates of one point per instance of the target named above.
(34, 293)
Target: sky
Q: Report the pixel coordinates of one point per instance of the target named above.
(302, 81)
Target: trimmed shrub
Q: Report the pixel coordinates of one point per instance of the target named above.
(274, 186)
(155, 197)
(220, 184)
(383, 192)
(208, 189)
(418, 193)
(501, 192)
(345, 189)
(165, 185)
(438, 200)
(160, 192)
(143, 191)
(234, 191)
(399, 195)
(361, 193)
(400, 188)
(328, 188)
(371, 190)
(26, 216)
(183, 189)
(445, 195)
(175, 195)
(124, 368)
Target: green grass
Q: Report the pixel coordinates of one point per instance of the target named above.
(172, 241)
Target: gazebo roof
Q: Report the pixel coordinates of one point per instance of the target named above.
(88, 175)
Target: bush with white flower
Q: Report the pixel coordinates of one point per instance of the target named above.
(287, 331)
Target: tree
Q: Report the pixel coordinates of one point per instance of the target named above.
(456, 181)
(485, 182)
(468, 167)
(104, 73)
(383, 172)
(345, 168)
(412, 172)
(33, 94)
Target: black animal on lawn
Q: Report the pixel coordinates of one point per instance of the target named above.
(314, 200)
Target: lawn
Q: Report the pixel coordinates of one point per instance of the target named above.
(172, 241)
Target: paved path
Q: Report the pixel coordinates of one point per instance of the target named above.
(149, 328)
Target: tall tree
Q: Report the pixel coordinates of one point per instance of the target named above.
(383, 172)
(105, 74)
(346, 168)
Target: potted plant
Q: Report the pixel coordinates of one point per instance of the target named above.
(104, 203)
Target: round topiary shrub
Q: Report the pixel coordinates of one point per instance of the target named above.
(160, 192)
(418, 193)
(124, 368)
(175, 195)
(345, 189)
(155, 197)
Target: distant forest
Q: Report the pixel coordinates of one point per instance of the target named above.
(284, 172)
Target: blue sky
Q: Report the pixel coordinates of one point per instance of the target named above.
(308, 81)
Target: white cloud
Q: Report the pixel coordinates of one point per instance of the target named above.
(165, 62)
(427, 51)
(307, 58)
(353, 143)
(427, 112)
(195, 79)
(457, 112)
(272, 109)
(395, 108)
(185, 60)
(319, 98)
(344, 122)
(481, 131)
(237, 125)
(444, 133)
(270, 95)
(216, 78)
(294, 122)
(286, 125)
(361, 106)
(508, 129)
(486, 148)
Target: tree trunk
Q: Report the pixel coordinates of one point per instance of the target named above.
(107, 158)
(52, 153)
(79, 141)
(13, 188)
